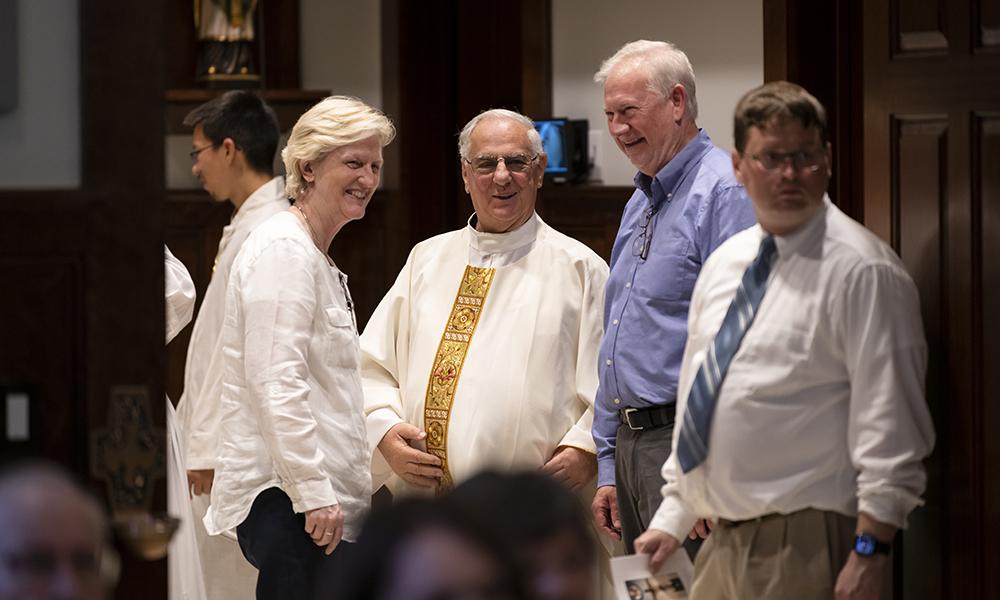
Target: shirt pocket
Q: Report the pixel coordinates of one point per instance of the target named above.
(670, 272)
(340, 348)
(775, 360)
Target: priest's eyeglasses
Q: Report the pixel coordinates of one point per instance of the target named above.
(802, 160)
(487, 165)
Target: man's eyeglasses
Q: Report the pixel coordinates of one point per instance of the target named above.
(197, 151)
(802, 160)
(486, 165)
(641, 242)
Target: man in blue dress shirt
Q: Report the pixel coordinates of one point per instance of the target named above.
(686, 203)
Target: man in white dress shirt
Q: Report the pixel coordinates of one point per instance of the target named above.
(804, 420)
(234, 141)
(483, 352)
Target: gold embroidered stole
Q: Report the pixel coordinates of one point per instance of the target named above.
(448, 362)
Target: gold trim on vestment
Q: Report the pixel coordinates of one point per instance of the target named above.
(448, 363)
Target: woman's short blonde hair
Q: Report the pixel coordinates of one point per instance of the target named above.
(335, 121)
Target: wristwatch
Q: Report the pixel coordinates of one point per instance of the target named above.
(867, 544)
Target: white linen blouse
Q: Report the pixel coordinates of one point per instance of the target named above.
(292, 405)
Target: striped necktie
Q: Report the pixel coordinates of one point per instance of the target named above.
(692, 446)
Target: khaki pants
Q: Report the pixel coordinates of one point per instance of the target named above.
(796, 556)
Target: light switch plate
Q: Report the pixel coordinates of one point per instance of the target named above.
(17, 408)
(8, 56)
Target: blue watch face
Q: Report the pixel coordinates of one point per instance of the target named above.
(864, 545)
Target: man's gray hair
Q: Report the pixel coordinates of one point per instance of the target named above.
(498, 113)
(664, 64)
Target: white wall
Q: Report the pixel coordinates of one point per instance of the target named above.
(341, 45)
(722, 38)
(40, 139)
(340, 48)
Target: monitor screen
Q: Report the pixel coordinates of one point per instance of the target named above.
(553, 132)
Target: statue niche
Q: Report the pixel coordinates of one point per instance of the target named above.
(226, 43)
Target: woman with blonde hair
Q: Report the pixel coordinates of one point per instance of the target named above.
(294, 478)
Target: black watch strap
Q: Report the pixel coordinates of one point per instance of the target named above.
(867, 544)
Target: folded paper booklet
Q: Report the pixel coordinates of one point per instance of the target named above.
(633, 581)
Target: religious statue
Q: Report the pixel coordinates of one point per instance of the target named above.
(226, 51)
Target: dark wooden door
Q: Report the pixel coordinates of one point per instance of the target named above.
(931, 94)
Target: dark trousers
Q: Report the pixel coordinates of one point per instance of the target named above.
(639, 458)
(273, 539)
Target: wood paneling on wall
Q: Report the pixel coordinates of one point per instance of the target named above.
(82, 312)
(33, 354)
(986, 24)
(986, 197)
(591, 214)
(919, 27)
(919, 150)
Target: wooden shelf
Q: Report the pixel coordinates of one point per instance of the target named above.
(589, 213)
(288, 104)
(614, 194)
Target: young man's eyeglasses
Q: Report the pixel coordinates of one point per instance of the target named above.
(197, 151)
(802, 160)
(486, 165)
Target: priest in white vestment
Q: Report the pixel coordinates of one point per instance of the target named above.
(184, 579)
(179, 294)
(233, 145)
(484, 352)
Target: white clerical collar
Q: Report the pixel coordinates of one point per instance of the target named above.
(501, 249)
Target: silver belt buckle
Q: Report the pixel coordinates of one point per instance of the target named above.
(628, 419)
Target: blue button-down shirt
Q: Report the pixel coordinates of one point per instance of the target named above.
(695, 203)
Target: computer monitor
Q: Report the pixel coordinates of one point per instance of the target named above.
(565, 143)
(553, 132)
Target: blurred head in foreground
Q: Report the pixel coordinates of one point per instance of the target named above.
(53, 536)
(545, 524)
(420, 549)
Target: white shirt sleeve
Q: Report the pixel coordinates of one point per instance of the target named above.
(890, 430)
(278, 297)
(180, 294)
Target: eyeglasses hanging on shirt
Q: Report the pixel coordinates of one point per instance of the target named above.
(347, 296)
(642, 242)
